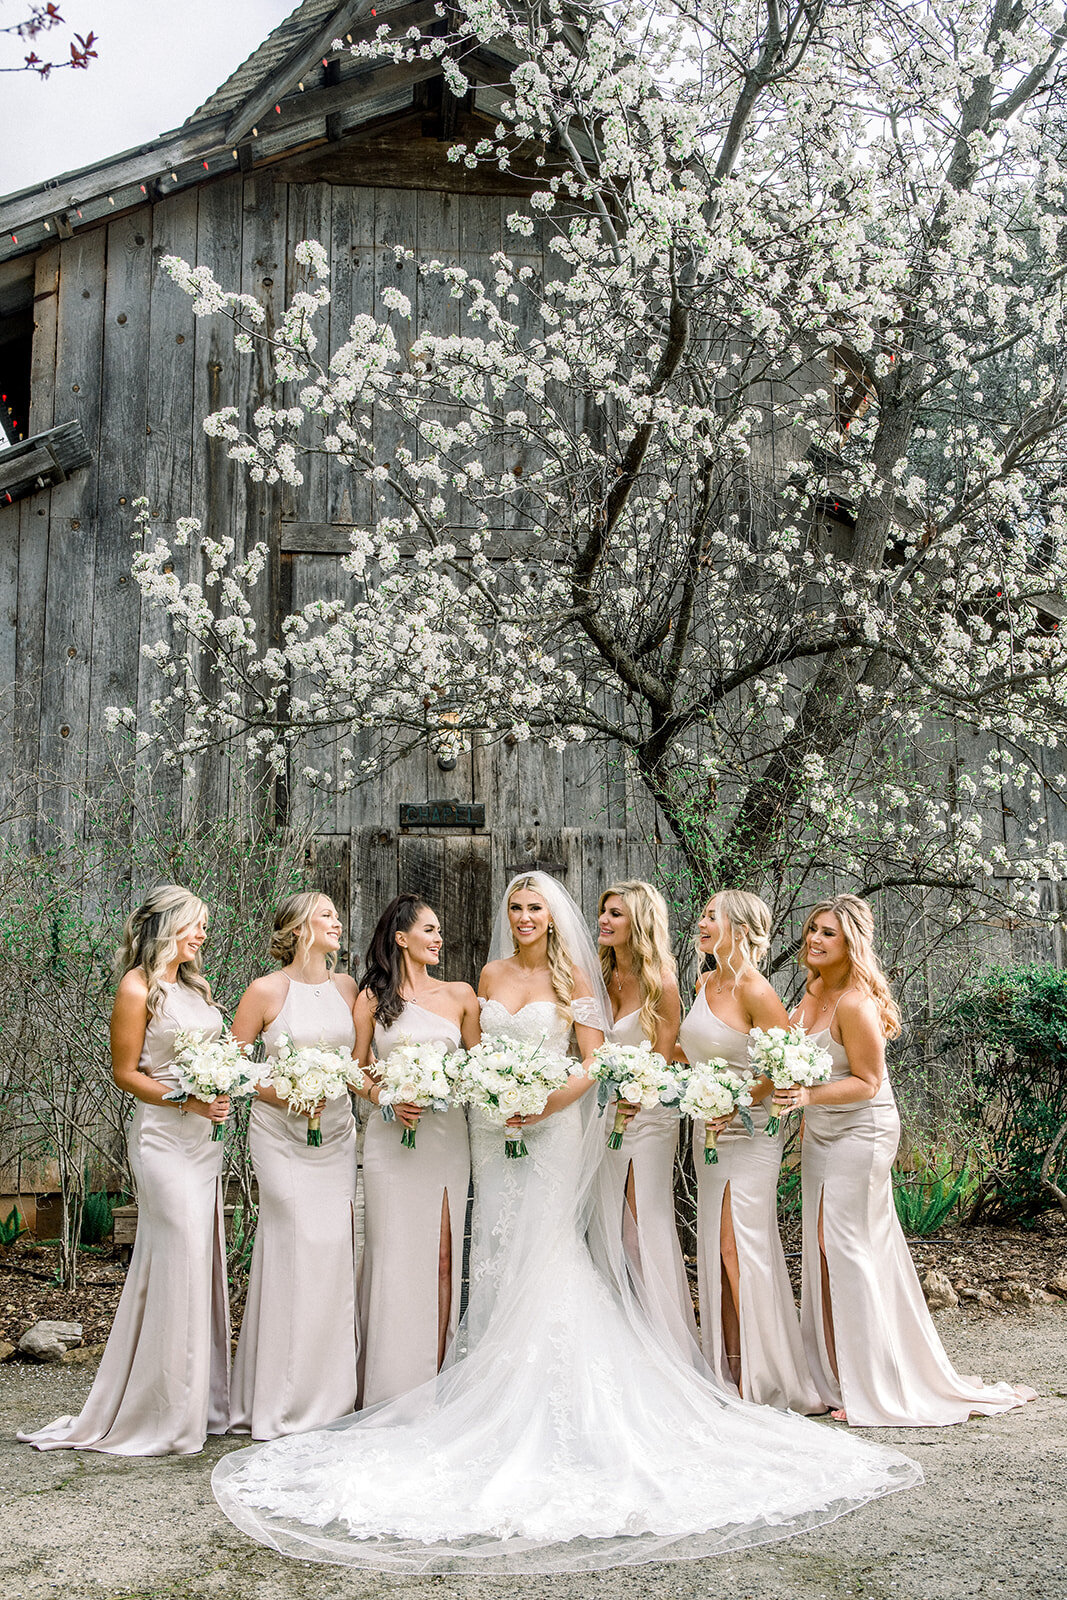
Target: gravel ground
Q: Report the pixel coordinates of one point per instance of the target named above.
(990, 1521)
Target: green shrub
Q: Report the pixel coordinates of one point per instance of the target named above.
(97, 1219)
(12, 1227)
(926, 1197)
(1011, 1026)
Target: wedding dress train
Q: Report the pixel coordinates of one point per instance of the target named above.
(564, 1433)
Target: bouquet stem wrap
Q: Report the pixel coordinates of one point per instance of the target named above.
(711, 1140)
(617, 1130)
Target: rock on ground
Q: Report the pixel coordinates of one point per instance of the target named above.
(940, 1295)
(50, 1341)
(991, 1519)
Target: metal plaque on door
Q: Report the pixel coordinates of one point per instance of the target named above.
(441, 814)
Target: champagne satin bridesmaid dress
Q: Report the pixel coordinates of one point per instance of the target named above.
(163, 1380)
(404, 1192)
(773, 1369)
(650, 1239)
(295, 1366)
(893, 1370)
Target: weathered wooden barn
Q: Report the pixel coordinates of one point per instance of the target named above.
(108, 377)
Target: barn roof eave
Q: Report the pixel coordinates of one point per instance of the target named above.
(214, 141)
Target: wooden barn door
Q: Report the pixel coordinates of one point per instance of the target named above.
(363, 870)
(455, 876)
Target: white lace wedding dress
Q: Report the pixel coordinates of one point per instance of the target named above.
(563, 1435)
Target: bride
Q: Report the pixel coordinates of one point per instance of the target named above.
(562, 1435)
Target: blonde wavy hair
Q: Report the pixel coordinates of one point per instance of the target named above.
(650, 946)
(150, 941)
(292, 937)
(749, 920)
(866, 972)
(560, 959)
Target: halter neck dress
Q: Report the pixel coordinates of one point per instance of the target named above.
(893, 1369)
(403, 1192)
(773, 1369)
(649, 1146)
(163, 1378)
(295, 1366)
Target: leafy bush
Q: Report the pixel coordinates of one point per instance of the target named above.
(1010, 1025)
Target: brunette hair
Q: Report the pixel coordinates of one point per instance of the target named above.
(650, 946)
(857, 925)
(383, 972)
(150, 941)
(292, 928)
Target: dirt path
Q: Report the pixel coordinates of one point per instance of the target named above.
(991, 1520)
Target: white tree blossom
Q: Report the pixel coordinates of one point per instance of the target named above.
(792, 408)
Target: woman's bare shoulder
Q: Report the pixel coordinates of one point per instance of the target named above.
(855, 1006)
(132, 986)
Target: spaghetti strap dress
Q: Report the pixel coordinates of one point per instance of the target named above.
(295, 1366)
(773, 1369)
(403, 1191)
(893, 1369)
(649, 1147)
(162, 1385)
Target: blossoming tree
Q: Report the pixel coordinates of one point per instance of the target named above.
(790, 531)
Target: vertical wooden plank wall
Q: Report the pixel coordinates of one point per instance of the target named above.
(216, 383)
(31, 519)
(121, 458)
(72, 552)
(173, 434)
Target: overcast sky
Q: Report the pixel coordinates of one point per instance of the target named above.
(158, 60)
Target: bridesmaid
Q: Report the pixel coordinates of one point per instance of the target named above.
(415, 1200)
(295, 1366)
(164, 1375)
(748, 1320)
(639, 974)
(872, 1346)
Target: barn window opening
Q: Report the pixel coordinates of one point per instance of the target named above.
(16, 350)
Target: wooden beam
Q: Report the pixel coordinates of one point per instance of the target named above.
(296, 63)
(333, 539)
(42, 461)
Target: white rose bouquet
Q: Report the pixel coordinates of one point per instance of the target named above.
(505, 1078)
(636, 1074)
(713, 1089)
(206, 1068)
(788, 1057)
(416, 1073)
(305, 1075)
